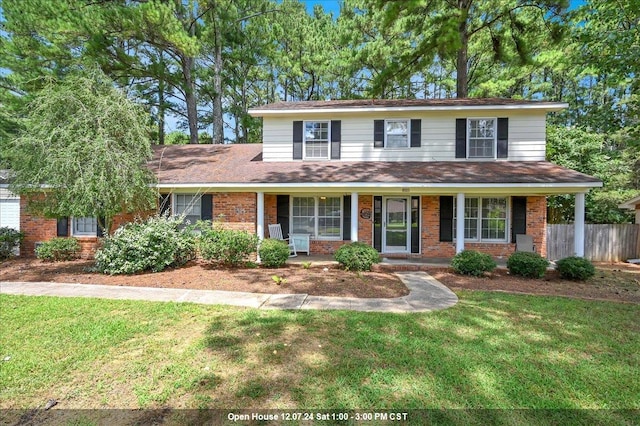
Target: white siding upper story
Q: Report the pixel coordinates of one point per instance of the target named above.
(526, 131)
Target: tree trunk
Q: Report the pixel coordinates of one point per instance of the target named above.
(161, 109)
(218, 124)
(461, 63)
(190, 98)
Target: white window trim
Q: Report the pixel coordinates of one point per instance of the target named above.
(304, 140)
(495, 138)
(83, 234)
(174, 203)
(408, 120)
(316, 209)
(479, 221)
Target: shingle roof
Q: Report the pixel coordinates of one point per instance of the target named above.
(391, 103)
(242, 164)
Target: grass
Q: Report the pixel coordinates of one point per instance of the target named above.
(495, 351)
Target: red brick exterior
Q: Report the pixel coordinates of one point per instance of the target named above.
(238, 211)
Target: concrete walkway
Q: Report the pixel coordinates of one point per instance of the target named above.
(426, 294)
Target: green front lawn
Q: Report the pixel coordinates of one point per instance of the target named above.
(490, 351)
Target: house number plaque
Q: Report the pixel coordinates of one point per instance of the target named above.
(365, 213)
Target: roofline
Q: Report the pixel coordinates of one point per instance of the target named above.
(631, 204)
(558, 188)
(546, 106)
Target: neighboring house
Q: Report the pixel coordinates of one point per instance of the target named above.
(405, 176)
(633, 204)
(9, 204)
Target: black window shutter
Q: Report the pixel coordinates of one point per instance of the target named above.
(415, 224)
(503, 137)
(62, 227)
(282, 212)
(377, 223)
(416, 133)
(446, 218)
(206, 207)
(346, 218)
(461, 138)
(164, 204)
(297, 140)
(378, 133)
(100, 226)
(335, 139)
(519, 217)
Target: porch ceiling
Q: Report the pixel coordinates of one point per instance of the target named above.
(240, 168)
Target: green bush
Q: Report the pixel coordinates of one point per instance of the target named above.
(226, 246)
(58, 249)
(471, 262)
(525, 264)
(357, 256)
(152, 245)
(575, 268)
(273, 253)
(9, 240)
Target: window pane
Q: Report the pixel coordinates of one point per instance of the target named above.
(397, 133)
(316, 137)
(303, 218)
(85, 226)
(329, 217)
(481, 138)
(189, 205)
(494, 218)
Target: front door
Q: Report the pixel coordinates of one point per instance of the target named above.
(395, 225)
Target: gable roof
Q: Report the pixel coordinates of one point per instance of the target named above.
(241, 166)
(632, 204)
(379, 105)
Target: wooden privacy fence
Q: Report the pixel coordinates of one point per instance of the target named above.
(603, 243)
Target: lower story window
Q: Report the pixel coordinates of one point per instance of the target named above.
(189, 206)
(321, 217)
(84, 226)
(485, 219)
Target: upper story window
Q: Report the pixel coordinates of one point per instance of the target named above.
(84, 226)
(396, 134)
(316, 139)
(481, 134)
(189, 205)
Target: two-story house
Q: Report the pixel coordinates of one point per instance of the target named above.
(426, 178)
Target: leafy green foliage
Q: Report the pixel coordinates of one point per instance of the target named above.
(471, 262)
(529, 265)
(226, 246)
(357, 256)
(9, 240)
(152, 245)
(58, 249)
(91, 153)
(273, 253)
(575, 268)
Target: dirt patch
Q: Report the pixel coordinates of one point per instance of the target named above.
(618, 282)
(317, 280)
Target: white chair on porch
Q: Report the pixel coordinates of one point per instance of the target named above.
(275, 232)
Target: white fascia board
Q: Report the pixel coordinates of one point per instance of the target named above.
(255, 187)
(547, 106)
(631, 204)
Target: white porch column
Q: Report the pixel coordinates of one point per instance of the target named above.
(259, 219)
(460, 222)
(578, 239)
(354, 217)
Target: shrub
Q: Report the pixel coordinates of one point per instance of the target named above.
(226, 246)
(357, 256)
(273, 253)
(575, 268)
(525, 264)
(58, 249)
(151, 245)
(471, 262)
(9, 240)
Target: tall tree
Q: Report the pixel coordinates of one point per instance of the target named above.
(88, 158)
